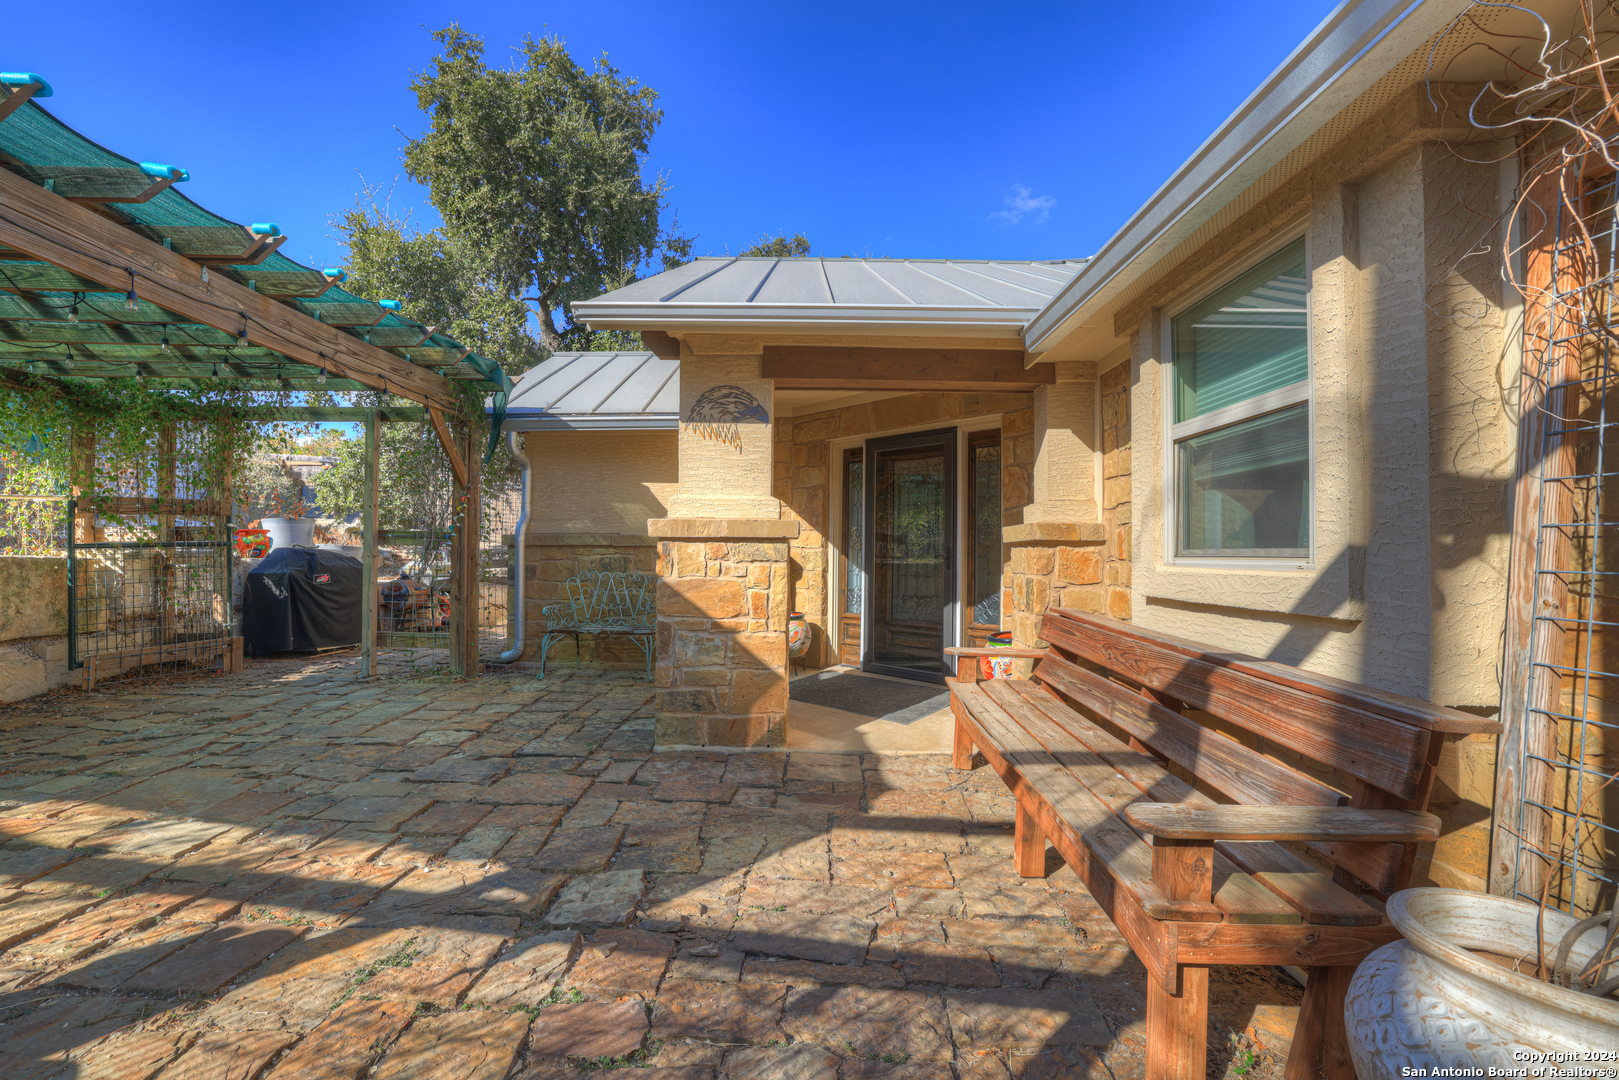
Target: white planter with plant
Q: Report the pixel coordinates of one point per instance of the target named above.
(1436, 1000)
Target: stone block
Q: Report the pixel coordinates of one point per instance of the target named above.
(709, 598)
(676, 730)
(1115, 490)
(686, 700)
(716, 676)
(765, 649)
(758, 692)
(1079, 565)
(1040, 560)
(1089, 598)
(476, 1045)
(760, 730)
(1118, 603)
(589, 1030)
(597, 900)
(757, 551)
(1118, 573)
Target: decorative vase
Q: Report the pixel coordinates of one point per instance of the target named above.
(290, 532)
(1431, 1001)
(252, 543)
(798, 635)
(996, 667)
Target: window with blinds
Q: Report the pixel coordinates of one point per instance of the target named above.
(1240, 433)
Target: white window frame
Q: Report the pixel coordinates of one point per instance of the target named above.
(1286, 397)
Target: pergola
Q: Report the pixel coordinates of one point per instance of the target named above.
(108, 271)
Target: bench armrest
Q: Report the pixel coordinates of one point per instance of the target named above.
(1344, 824)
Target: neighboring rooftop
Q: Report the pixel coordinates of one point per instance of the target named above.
(597, 391)
(966, 297)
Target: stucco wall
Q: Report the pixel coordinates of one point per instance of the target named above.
(600, 481)
(1413, 441)
(33, 596)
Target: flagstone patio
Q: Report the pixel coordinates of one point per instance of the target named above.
(290, 873)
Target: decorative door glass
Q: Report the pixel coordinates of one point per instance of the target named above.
(911, 513)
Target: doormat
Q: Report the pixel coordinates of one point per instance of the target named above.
(881, 699)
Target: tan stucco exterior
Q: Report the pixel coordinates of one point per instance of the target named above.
(600, 481)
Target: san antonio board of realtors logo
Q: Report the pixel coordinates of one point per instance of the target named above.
(719, 410)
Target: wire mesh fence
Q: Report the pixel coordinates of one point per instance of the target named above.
(1568, 817)
(145, 606)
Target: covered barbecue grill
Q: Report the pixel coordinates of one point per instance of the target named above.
(302, 600)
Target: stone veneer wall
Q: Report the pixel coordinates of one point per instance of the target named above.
(1115, 387)
(553, 558)
(804, 467)
(722, 643)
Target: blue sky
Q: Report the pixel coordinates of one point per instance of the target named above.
(888, 129)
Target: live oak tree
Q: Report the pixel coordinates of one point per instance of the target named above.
(536, 171)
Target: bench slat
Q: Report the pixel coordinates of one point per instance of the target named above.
(1252, 857)
(1245, 900)
(1370, 746)
(1319, 900)
(1340, 823)
(1407, 710)
(1114, 843)
(1245, 775)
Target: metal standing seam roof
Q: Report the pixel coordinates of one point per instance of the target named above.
(968, 294)
(597, 391)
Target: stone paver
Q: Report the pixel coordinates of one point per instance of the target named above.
(324, 878)
(589, 1030)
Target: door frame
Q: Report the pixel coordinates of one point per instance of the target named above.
(949, 614)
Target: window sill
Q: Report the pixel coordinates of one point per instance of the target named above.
(1319, 592)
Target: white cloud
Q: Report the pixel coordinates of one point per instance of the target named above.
(1023, 203)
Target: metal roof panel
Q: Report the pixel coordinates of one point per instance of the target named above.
(794, 281)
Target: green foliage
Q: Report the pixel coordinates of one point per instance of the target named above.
(440, 282)
(127, 420)
(536, 171)
(796, 246)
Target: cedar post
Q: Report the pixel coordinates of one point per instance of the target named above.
(1178, 1015)
(1549, 395)
(464, 548)
(83, 456)
(368, 553)
(166, 442)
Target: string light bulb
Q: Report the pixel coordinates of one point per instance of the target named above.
(322, 375)
(131, 301)
(165, 339)
(215, 373)
(73, 308)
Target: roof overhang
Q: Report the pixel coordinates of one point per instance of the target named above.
(807, 318)
(566, 422)
(1354, 47)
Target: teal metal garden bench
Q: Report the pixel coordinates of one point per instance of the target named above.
(615, 604)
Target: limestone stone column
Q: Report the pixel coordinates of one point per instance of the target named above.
(1054, 555)
(723, 565)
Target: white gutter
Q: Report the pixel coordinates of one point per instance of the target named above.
(520, 551)
(672, 314)
(591, 422)
(1359, 43)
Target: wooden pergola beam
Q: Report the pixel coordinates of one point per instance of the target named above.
(54, 230)
(972, 371)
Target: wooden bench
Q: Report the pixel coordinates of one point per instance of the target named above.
(617, 604)
(1191, 879)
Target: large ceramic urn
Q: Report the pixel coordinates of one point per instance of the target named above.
(1438, 1000)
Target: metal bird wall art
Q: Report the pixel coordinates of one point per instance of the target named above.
(719, 410)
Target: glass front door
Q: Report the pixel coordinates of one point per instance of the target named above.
(910, 527)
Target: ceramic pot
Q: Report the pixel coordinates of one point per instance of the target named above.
(798, 635)
(996, 667)
(1430, 1001)
(290, 532)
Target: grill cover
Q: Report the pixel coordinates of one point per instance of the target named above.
(301, 599)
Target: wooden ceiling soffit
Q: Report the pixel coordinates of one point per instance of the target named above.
(660, 344)
(72, 237)
(968, 371)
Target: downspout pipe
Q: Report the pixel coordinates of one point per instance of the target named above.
(520, 551)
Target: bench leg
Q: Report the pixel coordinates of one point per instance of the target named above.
(1178, 1026)
(962, 755)
(1321, 1044)
(1028, 843)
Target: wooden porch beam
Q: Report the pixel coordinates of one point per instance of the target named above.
(14, 100)
(970, 371)
(54, 230)
(447, 441)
